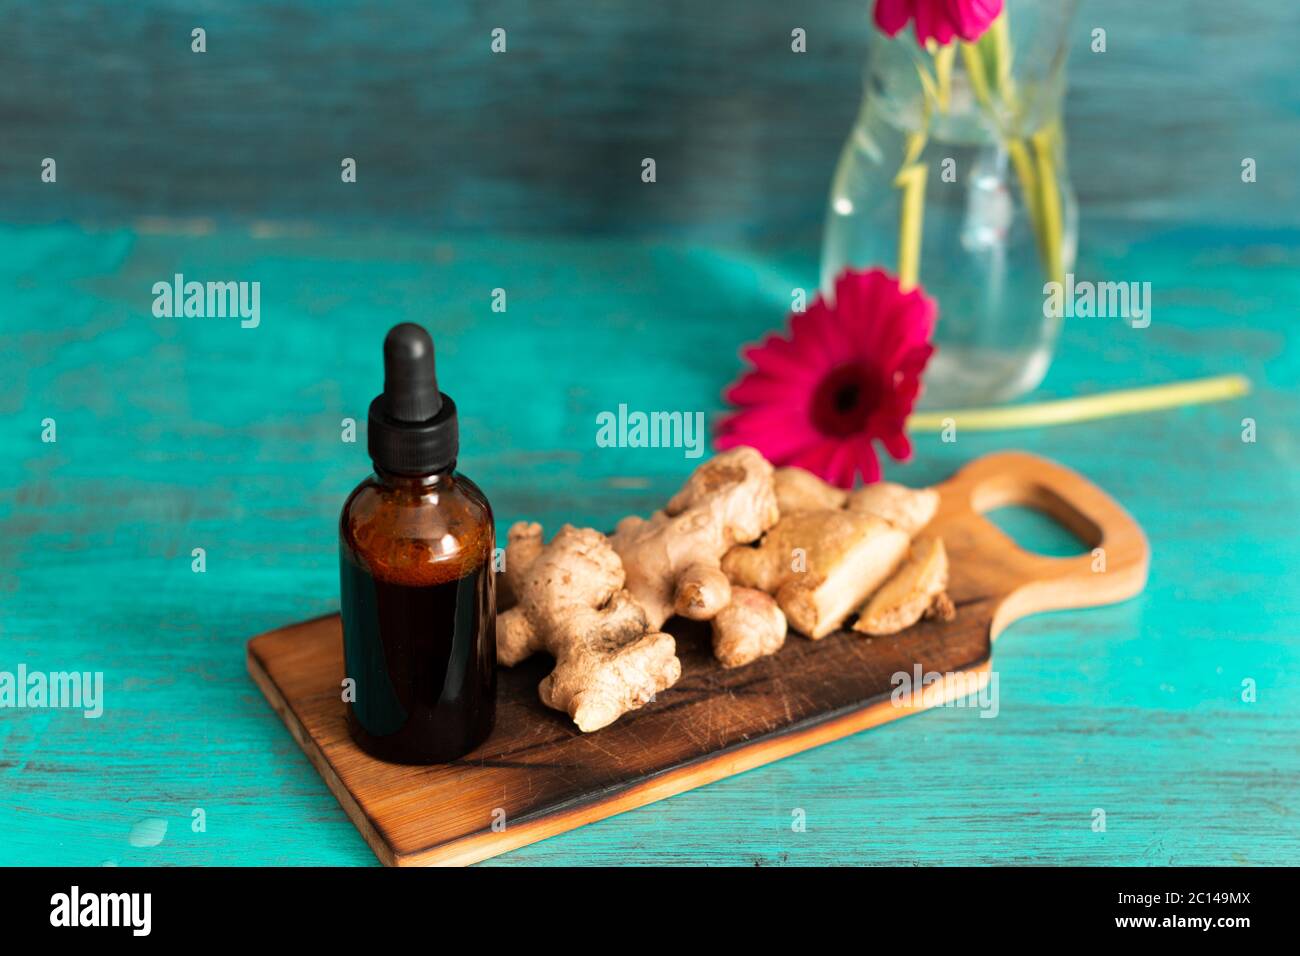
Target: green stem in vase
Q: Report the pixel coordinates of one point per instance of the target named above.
(1046, 143)
(943, 59)
(1001, 37)
(910, 179)
(1035, 163)
(1027, 173)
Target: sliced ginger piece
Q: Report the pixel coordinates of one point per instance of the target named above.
(750, 627)
(915, 589)
(800, 490)
(909, 509)
(571, 604)
(820, 565)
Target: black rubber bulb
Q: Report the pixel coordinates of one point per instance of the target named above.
(412, 426)
(410, 381)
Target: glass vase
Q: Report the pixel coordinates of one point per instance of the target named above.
(954, 177)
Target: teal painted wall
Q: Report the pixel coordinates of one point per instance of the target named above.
(541, 139)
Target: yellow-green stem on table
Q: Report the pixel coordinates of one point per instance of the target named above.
(1070, 410)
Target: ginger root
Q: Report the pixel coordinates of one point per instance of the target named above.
(672, 559)
(851, 543)
(597, 604)
(820, 565)
(523, 543)
(750, 627)
(908, 509)
(571, 603)
(800, 490)
(916, 589)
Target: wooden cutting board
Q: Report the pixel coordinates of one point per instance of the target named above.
(538, 776)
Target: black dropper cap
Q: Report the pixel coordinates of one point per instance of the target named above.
(412, 429)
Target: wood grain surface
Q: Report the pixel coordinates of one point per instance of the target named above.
(537, 775)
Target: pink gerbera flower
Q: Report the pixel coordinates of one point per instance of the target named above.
(939, 20)
(847, 376)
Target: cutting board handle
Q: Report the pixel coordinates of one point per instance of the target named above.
(1113, 569)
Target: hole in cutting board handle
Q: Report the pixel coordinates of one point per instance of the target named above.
(1036, 531)
(1036, 518)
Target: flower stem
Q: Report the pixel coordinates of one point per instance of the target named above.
(1046, 142)
(911, 180)
(979, 83)
(1002, 44)
(1037, 170)
(1086, 408)
(1026, 172)
(943, 57)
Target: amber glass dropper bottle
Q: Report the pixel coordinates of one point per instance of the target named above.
(415, 558)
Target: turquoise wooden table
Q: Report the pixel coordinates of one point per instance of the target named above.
(1175, 713)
